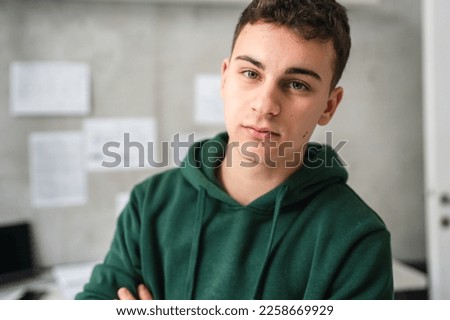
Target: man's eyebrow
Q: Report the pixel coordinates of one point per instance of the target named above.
(294, 70)
(252, 61)
(303, 71)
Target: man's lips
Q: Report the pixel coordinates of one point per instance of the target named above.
(261, 132)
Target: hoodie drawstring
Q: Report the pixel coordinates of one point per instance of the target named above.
(276, 214)
(193, 257)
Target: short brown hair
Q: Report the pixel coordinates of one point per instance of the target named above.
(311, 19)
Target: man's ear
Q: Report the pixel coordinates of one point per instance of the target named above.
(225, 66)
(333, 102)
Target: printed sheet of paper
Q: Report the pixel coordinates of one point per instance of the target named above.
(49, 88)
(122, 199)
(120, 143)
(57, 173)
(208, 102)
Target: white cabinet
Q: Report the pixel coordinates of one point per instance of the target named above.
(436, 62)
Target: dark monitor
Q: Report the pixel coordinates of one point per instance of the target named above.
(16, 252)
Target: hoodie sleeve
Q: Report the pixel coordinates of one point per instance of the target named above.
(366, 273)
(122, 266)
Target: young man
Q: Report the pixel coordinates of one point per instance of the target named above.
(258, 213)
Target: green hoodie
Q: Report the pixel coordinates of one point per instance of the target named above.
(184, 237)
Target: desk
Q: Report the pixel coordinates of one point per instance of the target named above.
(407, 278)
(44, 284)
(61, 282)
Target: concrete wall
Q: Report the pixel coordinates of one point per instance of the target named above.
(143, 59)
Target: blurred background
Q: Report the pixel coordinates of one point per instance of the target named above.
(149, 67)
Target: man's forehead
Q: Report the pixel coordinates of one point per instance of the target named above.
(266, 28)
(270, 27)
(263, 31)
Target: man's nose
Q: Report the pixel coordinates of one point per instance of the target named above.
(267, 101)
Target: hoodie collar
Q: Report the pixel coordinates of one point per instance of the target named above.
(321, 168)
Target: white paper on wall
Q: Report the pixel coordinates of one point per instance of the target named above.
(49, 88)
(122, 199)
(120, 143)
(208, 102)
(57, 174)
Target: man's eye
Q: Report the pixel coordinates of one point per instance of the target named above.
(250, 74)
(297, 85)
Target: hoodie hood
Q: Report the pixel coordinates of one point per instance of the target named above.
(321, 167)
(318, 171)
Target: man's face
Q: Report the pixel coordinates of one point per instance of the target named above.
(276, 89)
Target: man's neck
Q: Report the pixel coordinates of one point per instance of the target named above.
(247, 183)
